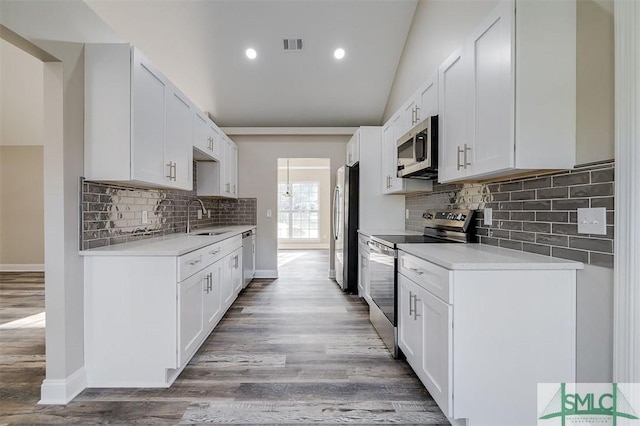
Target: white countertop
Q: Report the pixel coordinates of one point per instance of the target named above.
(484, 257)
(370, 232)
(169, 245)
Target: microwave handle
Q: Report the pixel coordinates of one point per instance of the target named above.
(420, 147)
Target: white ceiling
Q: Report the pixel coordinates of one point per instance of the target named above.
(200, 45)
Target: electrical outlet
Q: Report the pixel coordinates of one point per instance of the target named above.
(199, 214)
(209, 214)
(406, 213)
(488, 216)
(145, 217)
(592, 221)
(268, 212)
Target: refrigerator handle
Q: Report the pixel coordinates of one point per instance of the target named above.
(335, 212)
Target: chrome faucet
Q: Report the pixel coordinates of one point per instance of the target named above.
(204, 211)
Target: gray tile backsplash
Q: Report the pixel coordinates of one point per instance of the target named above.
(112, 214)
(536, 214)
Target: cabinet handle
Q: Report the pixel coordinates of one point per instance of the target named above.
(195, 262)
(214, 251)
(417, 114)
(233, 189)
(460, 151)
(227, 187)
(466, 149)
(206, 289)
(415, 307)
(236, 266)
(417, 271)
(170, 166)
(411, 296)
(211, 281)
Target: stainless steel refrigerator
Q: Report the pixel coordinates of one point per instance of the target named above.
(345, 227)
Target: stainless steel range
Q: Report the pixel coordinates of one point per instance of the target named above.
(442, 227)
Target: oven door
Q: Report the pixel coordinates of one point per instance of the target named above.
(382, 272)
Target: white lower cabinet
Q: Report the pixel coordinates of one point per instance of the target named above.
(481, 340)
(146, 316)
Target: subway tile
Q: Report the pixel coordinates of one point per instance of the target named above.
(552, 216)
(498, 233)
(552, 193)
(523, 195)
(573, 217)
(501, 196)
(544, 182)
(482, 232)
(523, 236)
(606, 202)
(510, 244)
(511, 186)
(510, 225)
(570, 204)
(594, 190)
(523, 216)
(537, 205)
(564, 229)
(536, 227)
(501, 215)
(606, 175)
(564, 253)
(553, 240)
(537, 249)
(600, 259)
(571, 179)
(489, 241)
(591, 244)
(511, 205)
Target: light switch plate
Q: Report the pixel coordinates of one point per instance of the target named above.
(199, 214)
(145, 217)
(269, 213)
(488, 216)
(592, 221)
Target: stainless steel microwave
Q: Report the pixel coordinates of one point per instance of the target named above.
(418, 150)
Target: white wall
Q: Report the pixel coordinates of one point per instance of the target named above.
(60, 29)
(258, 159)
(439, 27)
(21, 160)
(310, 170)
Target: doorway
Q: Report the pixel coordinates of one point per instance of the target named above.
(304, 206)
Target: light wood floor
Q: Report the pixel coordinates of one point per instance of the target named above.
(289, 351)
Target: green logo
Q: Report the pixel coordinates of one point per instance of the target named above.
(590, 402)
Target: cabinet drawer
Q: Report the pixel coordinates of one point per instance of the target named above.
(432, 278)
(231, 244)
(363, 239)
(195, 261)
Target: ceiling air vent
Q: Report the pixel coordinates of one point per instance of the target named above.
(292, 43)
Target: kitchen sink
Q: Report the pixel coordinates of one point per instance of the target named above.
(210, 233)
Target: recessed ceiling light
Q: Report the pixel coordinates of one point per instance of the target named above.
(339, 53)
(251, 53)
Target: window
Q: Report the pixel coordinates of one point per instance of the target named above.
(298, 214)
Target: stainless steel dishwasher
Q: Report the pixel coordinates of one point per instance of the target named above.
(248, 256)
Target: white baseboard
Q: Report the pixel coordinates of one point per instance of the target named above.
(266, 273)
(332, 274)
(62, 391)
(21, 267)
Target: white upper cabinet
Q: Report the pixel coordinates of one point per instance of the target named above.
(508, 97)
(137, 124)
(219, 178)
(353, 149)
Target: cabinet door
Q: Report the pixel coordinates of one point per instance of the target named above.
(491, 93)
(427, 102)
(216, 138)
(212, 295)
(436, 369)
(190, 316)
(177, 148)
(236, 271)
(233, 169)
(227, 281)
(409, 325)
(388, 143)
(452, 121)
(199, 132)
(408, 117)
(148, 89)
(353, 149)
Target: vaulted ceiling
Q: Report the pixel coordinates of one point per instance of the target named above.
(200, 45)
